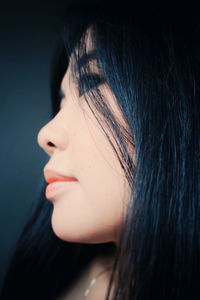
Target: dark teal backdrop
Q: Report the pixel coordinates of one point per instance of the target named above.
(28, 33)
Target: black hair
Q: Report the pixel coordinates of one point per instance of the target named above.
(149, 56)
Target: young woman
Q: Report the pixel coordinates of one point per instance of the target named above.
(121, 218)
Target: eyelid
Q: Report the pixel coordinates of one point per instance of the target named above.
(95, 76)
(61, 96)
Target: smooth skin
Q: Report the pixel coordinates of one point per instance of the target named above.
(92, 210)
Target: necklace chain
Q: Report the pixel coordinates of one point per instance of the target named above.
(93, 281)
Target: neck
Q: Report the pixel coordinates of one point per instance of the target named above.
(99, 265)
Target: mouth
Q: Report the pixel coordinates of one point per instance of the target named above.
(57, 182)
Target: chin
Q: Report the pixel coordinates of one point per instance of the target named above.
(73, 233)
(78, 238)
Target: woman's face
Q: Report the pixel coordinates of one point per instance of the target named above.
(91, 210)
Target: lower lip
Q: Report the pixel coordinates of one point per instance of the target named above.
(56, 186)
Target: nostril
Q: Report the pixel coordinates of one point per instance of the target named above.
(50, 144)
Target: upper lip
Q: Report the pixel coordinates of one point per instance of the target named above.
(51, 176)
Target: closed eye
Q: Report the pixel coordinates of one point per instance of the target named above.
(89, 81)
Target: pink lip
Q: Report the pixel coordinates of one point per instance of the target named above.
(53, 188)
(51, 176)
(57, 183)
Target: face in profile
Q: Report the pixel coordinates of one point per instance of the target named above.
(90, 210)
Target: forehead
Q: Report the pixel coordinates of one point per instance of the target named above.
(85, 53)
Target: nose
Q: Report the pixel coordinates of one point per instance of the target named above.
(52, 136)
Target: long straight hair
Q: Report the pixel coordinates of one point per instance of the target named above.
(149, 57)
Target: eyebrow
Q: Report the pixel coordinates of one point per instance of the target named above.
(86, 58)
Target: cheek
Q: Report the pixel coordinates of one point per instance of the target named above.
(93, 212)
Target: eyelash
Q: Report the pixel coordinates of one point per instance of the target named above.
(88, 82)
(85, 85)
(60, 95)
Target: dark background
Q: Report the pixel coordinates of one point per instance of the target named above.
(28, 35)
